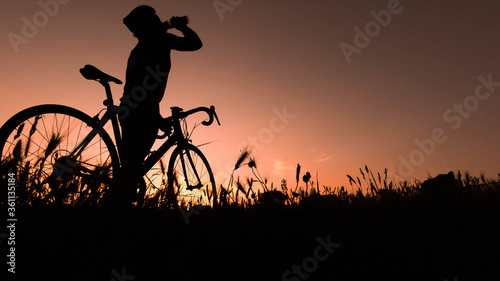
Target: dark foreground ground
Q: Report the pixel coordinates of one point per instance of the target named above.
(388, 237)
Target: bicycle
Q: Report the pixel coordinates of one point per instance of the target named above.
(68, 157)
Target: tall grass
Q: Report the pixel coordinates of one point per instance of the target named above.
(37, 183)
(243, 190)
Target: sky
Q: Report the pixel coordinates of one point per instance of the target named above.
(410, 86)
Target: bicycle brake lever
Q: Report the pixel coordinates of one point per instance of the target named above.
(216, 117)
(211, 114)
(212, 109)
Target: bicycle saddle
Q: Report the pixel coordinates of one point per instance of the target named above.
(91, 72)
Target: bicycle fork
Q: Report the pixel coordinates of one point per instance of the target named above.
(185, 172)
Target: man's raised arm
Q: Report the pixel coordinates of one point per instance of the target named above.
(190, 41)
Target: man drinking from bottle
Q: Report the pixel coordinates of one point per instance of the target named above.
(146, 78)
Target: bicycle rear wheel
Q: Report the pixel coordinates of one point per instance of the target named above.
(58, 154)
(191, 178)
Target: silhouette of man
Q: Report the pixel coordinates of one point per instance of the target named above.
(146, 78)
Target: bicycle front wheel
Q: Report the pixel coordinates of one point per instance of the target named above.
(191, 178)
(57, 155)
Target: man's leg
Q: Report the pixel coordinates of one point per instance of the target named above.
(138, 136)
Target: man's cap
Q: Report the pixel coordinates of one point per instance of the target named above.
(139, 18)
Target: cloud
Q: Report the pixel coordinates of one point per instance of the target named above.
(312, 149)
(281, 166)
(325, 157)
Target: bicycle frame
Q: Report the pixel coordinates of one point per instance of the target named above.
(75, 150)
(176, 138)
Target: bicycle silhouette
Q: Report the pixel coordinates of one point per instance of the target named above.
(61, 155)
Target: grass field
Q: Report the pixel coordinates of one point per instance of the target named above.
(444, 228)
(437, 230)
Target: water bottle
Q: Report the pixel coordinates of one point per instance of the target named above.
(182, 20)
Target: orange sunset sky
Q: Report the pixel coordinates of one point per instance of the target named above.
(403, 93)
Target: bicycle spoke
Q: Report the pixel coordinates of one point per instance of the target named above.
(193, 175)
(47, 139)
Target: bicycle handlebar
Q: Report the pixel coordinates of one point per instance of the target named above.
(210, 112)
(177, 113)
